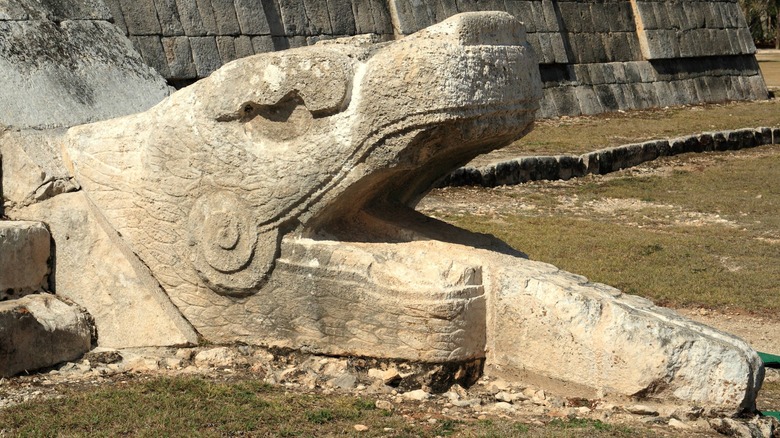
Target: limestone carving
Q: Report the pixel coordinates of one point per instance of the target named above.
(271, 203)
(214, 187)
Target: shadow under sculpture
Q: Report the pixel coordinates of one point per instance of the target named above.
(271, 202)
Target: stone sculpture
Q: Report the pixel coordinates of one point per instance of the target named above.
(271, 203)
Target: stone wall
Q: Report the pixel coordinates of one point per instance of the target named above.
(62, 63)
(603, 161)
(594, 56)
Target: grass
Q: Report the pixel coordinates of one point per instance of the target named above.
(585, 134)
(186, 406)
(770, 68)
(702, 235)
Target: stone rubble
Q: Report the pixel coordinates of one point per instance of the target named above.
(311, 373)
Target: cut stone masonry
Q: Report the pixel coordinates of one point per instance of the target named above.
(594, 56)
(603, 161)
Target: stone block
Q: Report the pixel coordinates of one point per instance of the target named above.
(570, 167)
(627, 317)
(628, 24)
(95, 270)
(582, 73)
(381, 15)
(746, 41)
(251, 17)
(533, 41)
(624, 101)
(39, 331)
(227, 48)
(545, 53)
(178, 54)
(547, 107)
(584, 17)
(596, 73)
(225, 17)
(608, 72)
(151, 49)
(775, 135)
(24, 257)
(243, 45)
(207, 16)
(205, 55)
(717, 87)
(263, 44)
(521, 9)
(720, 141)
(565, 100)
(550, 16)
(364, 19)
(90, 71)
(763, 136)
(412, 15)
(647, 15)
(342, 18)
(558, 49)
(633, 73)
(32, 168)
(599, 17)
(757, 87)
(606, 96)
(705, 139)
(117, 17)
(191, 21)
(597, 42)
(17, 11)
(619, 72)
(318, 18)
(649, 97)
(663, 94)
(588, 101)
(647, 72)
(168, 14)
(140, 17)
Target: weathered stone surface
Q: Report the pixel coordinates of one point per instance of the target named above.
(550, 324)
(32, 168)
(251, 17)
(62, 74)
(271, 203)
(24, 257)
(57, 10)
(205, 55)
(566, 35)
(298, 102)
(37, 331)
(94, 269)
(140, 16)
(191, 21)
(178, 55)
(168, 14)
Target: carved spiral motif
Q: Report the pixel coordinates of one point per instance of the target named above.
(224, 239)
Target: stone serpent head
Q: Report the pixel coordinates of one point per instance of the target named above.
(215, 175)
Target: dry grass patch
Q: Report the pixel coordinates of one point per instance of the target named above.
(694, 230)
(185, 406)
(578, 135)
(769, 61)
